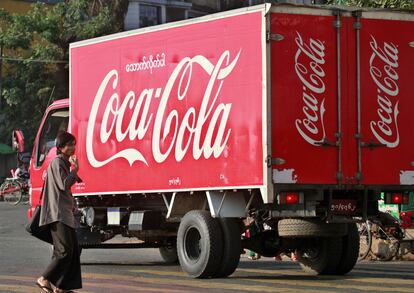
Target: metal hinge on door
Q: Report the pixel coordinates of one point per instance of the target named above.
(326, 142)
(371, 144)
(274, 161)
(274, 37)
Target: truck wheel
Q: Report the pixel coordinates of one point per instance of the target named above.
(310, 228)
(199, 244)
(232, 247)
(350, 250)
(323, 257)
(169, 252)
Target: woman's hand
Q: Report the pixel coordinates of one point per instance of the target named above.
(74, 161)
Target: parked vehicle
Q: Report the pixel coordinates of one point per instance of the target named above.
(407, 219)
(297, 117)
(15, 189)
(407, 213)
(386, 231)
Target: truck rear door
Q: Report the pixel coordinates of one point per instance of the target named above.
(341, 99)
(387, 104)
(304, 96)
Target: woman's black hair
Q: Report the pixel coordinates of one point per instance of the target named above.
(63, 138)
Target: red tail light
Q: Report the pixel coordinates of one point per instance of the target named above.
(290, 198)
(396, 198)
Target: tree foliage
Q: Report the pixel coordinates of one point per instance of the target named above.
(403, 4)
(36, 51)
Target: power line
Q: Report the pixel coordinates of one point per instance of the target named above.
(32, 60)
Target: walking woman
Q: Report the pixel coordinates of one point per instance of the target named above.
(63, 273)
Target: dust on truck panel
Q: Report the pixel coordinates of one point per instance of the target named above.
(328, 126)
(178, 108)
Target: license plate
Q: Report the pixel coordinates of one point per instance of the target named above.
(344, 206)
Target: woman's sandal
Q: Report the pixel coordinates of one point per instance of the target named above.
(44, 288)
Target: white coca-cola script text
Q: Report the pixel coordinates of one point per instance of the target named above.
(309, 61)
(182, 130)
(383, 65)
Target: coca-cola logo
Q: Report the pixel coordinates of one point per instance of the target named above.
(184, 130)
(383, 65)
(309, 61)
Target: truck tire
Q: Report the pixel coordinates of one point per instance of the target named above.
(350, 250)
(231, 247)
(310, 228)
(323, 257)
(199, 244)
(169, 252)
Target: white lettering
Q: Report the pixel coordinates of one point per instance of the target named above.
(385, 77)
(171, 133)
(150, 64)
(312, 127)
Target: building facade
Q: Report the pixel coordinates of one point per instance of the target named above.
(151, 12)
(143, 13)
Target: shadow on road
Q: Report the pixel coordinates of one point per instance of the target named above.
(137, 264)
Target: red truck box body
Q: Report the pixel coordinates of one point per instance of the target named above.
(207, 104)
(309, 122)
(179, 108)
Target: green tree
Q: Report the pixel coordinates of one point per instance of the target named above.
(36, 53)
(404, 4)
(118, 10)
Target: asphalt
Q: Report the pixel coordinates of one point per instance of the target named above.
(23, 259)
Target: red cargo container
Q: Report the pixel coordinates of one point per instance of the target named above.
(176, 112)
(296, 117)
(329, 126)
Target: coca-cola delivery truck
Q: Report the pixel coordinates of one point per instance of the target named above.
(291, 119)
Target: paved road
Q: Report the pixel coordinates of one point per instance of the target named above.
(22, 259)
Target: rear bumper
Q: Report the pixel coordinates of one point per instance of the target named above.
(330, 203)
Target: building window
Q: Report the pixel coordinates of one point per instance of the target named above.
(149, 15)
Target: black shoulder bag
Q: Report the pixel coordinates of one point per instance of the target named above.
(43, 232)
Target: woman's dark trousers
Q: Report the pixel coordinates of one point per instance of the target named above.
(64, 271)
